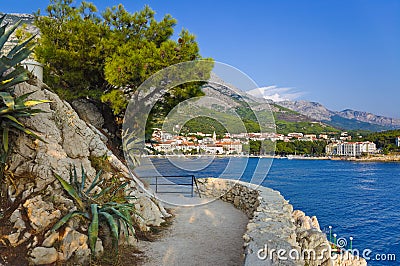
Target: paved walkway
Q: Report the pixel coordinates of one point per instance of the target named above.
(210, 234)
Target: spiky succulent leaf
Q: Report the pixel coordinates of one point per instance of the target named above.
(18, 47)
(32, 103)
(122, 186)
(113, 226)
(120, 215)
(4, 37)
(83, 179)
(71, 191)
(21, 99)
(25, 130)
(19, 70)
(94, 183)
(75, 183)
(66, 218)
(101, 193)
(12, 118)
(93, 229)
(17, 58)
(14, 81)
(127, 214)
(2, 28)
(8, 100)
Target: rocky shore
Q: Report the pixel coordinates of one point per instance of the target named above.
(276, 235)
(374, 158)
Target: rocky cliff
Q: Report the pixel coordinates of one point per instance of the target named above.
(370, 118)
(37, 200)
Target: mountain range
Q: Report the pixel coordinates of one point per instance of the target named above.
(347, 119)
(225, 102)
(302, 112)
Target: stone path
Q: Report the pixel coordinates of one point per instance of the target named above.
(209, 234)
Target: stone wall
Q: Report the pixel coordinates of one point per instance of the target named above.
(274, 228)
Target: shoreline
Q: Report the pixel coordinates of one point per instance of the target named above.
(274, 225)
(382, 158)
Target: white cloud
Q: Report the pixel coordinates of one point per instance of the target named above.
(275, 93)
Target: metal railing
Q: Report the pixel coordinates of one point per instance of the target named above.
(173, 184)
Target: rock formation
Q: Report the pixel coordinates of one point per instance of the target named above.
(38, 201)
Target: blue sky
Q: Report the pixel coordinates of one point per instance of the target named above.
(341, 53)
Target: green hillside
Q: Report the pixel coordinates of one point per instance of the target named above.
(209, 125)
(285, 127)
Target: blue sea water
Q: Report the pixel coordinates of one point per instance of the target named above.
(357, 199)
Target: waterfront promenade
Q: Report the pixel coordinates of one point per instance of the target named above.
(210, 234)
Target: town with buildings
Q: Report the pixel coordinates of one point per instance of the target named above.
(233, 144)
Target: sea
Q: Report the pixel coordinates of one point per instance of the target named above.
(359, 200)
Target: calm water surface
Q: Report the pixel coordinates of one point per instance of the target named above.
(357, 199)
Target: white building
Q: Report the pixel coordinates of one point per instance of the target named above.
(310, 136)
(355, 148)
(240, 136)
(207, 140)
(234, 147)
(295, 135)
(323, 136)
(166, 136)
(398, 141)
(276, 137)
(331, 148)
(345, 138)
(188, 147)
(212, 149)
(165, 147)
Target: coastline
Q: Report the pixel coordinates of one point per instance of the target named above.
(275, 226)
(381, 158)
(376, 158)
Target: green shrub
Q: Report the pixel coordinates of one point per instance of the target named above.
(117, 101)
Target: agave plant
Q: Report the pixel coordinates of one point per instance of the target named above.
(13, 108)
(98, 207)
(11, 72)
